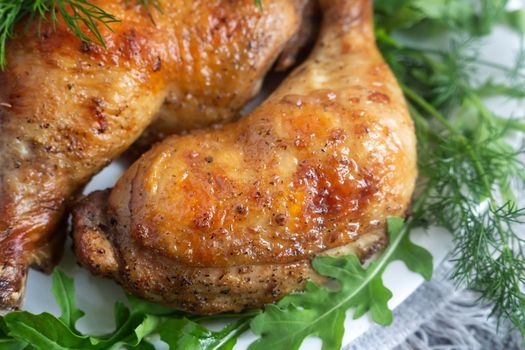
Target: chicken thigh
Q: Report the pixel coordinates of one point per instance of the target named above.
(68, 107)
(229, 219)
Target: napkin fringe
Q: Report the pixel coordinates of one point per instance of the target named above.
(438, 316)
(462, 323)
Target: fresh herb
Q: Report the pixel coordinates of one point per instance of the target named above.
(182, 333)
(63, 289)
(21, 329)
(466, 161)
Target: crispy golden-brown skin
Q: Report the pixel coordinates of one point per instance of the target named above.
(228, 219)
(67, 107)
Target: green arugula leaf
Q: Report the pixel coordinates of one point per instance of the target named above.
(64, 291)
(3, 329)
(188, 335)
(122, 314)
(135, 330)
(47, 332)
(44, 331)
(321, 312)
(147, 307)
(12, 344)
(144, 345)
(132, 328)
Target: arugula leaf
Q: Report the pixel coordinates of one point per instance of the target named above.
(186, 334)
(321, 312)
(47, 332)
(143, 306)
(64, 291)
(12, 344)
(3, 329)
(44, 331)
(139, 327)
(23, 330)
(122, 314)
(132, 328)
(144, 345)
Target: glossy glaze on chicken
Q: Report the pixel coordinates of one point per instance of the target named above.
(67, 107)
(229, 219)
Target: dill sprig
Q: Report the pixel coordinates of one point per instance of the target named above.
(467, 161)
(468, 179)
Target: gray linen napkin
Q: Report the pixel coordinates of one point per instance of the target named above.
(438, 317)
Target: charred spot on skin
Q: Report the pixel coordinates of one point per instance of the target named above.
(209, 159)
(46, 33)
(85, 47)
(378, 97)
(280, 219)
(241, 209)
(203, 220)
(334, 236)
(132, 44)
(141, 232)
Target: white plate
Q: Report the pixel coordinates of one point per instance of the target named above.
(97, 296)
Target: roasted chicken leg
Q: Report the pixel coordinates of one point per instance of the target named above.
(68, 107)
(229, 219)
